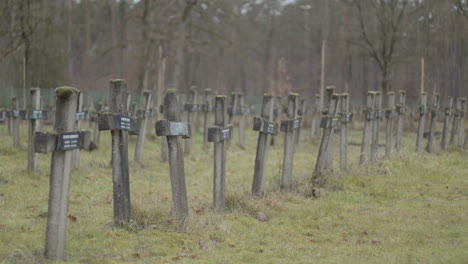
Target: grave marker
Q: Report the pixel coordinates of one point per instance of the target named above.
(422, 114)
(80, 115)
(401, 111)
(448, 112)
(206, 108)
(172, 128)
(315, 117)
(432, 125)
(190, 107)
(120, 124)
(219, 134)
(34, 115)
(345, 118)
(389, 115)
(456, 113)
(376, 126)
(14, 115)
(369, 115)
(329, 90)
(461, 120)
(302, 109)
(290, 128)
(64, 139)
(243, 111)
(266, 128)
(142, 116)
(328, 123)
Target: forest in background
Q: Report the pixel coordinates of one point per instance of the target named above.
(249, 46)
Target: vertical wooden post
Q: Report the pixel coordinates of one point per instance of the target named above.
(302, 107)
(219, 180)
(15, 124)
(91, 111)
(120, 172)
(401, 110)
(434, 108)
(328, 123)
(456, 115)
(67, 100)
(97, 133)
(448, 112)
(330, 90)
(262, 147)
(376, 126)
(315, 117)
(422, 115)
(461, 121)
(189, 108)
(345, 118)
(34, 124)
(390, 115)
(366, 135)
(276, 113)
(240, 99)
(207, 104)
(76, 152)
(176, 157)
(143, 119)
(289, 144)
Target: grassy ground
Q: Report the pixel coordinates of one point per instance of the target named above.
(410, 209)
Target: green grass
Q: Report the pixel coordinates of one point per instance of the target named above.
(410, 209)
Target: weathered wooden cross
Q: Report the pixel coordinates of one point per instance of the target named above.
(376, 125)
(422, 116)
(219, 134)
(266, 129)
(172, 128)
(191, 108)
(434, 109)
(142, 115)
(448, 114)
(61, 143)
(206, 108)
(345, 118)
(120, 124)
(290, 128)
(328, 123)
(389, 115)
(369, 115)
(34, 115)
(401, 112)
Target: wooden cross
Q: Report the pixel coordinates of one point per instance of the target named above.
(120, 124)
(266, 129)
(389, 115)
(172, 128)
(434, 109)
(401, 112)
(369, 115)
(290, 128)
(219, 134)
(422, 116)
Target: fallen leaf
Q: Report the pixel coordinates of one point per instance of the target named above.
(23, 229)
(72, 218)
(231, 245)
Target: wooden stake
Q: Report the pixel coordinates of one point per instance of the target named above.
(422, 74)
(316, 117)
(322, 76)
(330, 90)
(240, 99)
(206, 109)
(97, 133)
